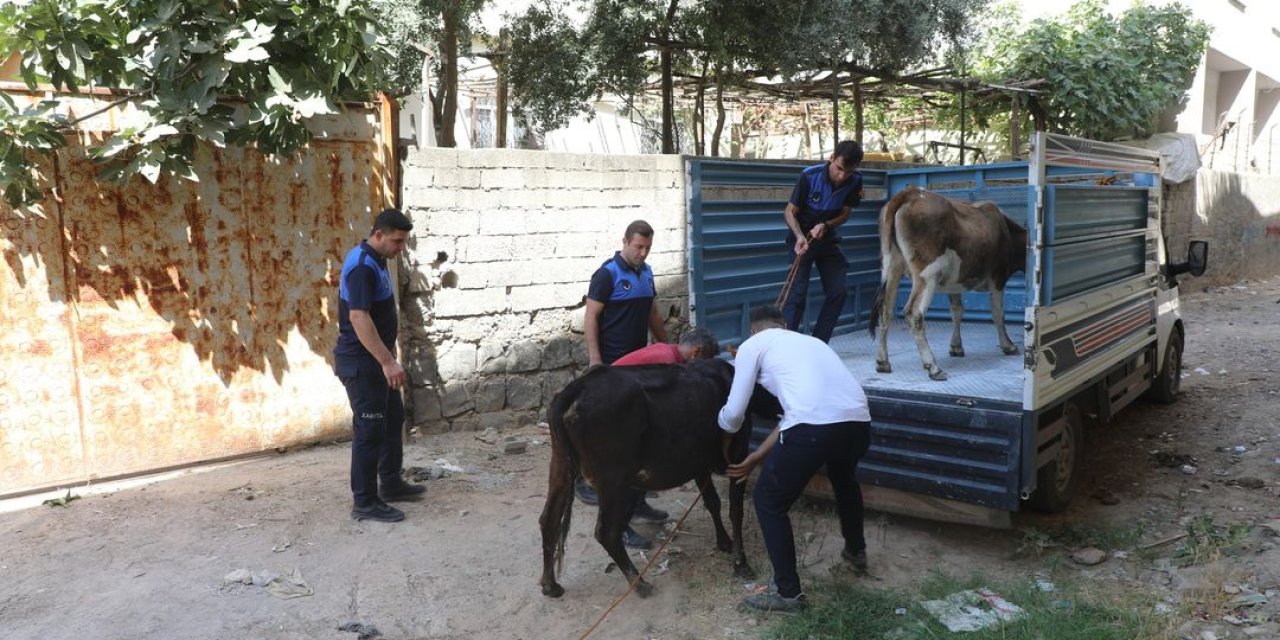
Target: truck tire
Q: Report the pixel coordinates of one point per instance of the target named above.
(1168, 382)
(1056, 481)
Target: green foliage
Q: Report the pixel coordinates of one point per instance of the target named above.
(1107, 76)
(1070, 612)
(24, 135)
(1207, 541)
(414, 27)
(620, 35)
(177, 62)
(1074, 535)
(548, 68)
(729, 40)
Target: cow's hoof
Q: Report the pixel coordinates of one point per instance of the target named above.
(883, 367)
(938, 374)
(644, 589)
(1009, 350)
(553, 590)
(743, 570)
(724, 545)
(957, 352)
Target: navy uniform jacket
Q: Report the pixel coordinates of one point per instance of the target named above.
(627, 295)
(365, 284)
(819, 201)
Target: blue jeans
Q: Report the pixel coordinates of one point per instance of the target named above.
(831, 269)
(799, 453)
(377, 419)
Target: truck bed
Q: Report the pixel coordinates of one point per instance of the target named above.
(985, 372)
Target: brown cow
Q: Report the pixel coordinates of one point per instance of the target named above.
(949, 247)
(641, 427)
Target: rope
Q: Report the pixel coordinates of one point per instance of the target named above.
(791, 279)
(631, 587)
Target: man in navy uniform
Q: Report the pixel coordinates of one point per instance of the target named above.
(620, 315)
(365, 361)
(820, 202)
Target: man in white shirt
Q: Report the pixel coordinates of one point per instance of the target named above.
(825, 421)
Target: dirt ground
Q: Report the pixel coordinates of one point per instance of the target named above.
(149, 558)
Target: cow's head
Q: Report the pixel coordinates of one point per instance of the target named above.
(1017, 249)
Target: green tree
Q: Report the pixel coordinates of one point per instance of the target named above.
(726, 44)
(177, 62)
(549, 68)
(1104, 76)
(429, 36)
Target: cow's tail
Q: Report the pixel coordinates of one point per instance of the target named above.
(888, 247)
(564, 460)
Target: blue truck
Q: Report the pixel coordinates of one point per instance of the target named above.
(1098, 304)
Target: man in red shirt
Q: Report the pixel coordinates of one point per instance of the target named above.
(695, 343)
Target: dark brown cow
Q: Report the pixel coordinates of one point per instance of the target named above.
(646, 427)
(948, 247)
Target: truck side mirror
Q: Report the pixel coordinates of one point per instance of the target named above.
(1197, 260)
(1198, 257)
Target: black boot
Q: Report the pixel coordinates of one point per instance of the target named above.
(646, 511)
(632, 538)
(379, 511)
(399, 491)
(585, 493)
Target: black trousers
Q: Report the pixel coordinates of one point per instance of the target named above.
(377, 420)
(799, 453)
(831, 269)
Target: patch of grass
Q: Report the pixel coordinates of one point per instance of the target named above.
(842, 610)
(62, 501)
(1206, 541)
(1036, 541)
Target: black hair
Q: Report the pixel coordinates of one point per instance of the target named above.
(704, 340)
(849, 151)
(392, 220)
(638, 228)
(768, 314)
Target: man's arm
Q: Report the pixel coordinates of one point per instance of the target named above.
(656, 325)
(789, 214)
(746, 366)
(840, 219)
(368, 335)
(591, 327)
(739, 472)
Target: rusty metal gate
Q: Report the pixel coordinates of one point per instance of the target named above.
(150, 326)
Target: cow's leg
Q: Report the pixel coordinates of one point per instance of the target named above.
(711, 500)
(893, 267)
(957, 317)
(922, 289)
(615, 510)
(737, 496)
(997, 317)
(555, 519)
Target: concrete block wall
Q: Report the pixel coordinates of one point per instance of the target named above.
(1240, 216)
(503, 248)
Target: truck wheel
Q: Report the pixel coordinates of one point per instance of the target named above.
(1056, 481)
(1164, 389)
